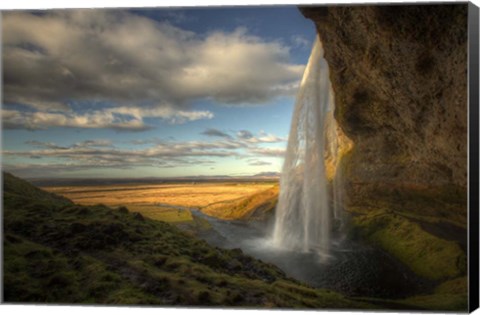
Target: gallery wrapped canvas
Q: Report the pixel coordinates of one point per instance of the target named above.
(278, 157)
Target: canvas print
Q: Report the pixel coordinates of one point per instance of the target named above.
(280, 157)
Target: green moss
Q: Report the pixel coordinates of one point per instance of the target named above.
(19, 189)
(447, 302)
(130, 296)
(455, 286)
(432, 302)
(30, 268)
(427, 255)
(450, 295)
(443, 203)
(165, 214)
(79, 254)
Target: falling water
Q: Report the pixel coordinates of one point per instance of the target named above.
(306, 210)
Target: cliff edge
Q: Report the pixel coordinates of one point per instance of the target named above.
(400, 79)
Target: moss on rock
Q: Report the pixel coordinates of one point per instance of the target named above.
(425, 254)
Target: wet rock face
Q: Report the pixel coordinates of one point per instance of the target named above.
(400, 79)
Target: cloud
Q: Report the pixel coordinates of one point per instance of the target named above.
(160, 153)
(212, 132)
(119, 118)
(258, 163)
(97, 154)
(300, 41)
(263, 137)
(32, 170)
(82, 144)
(270, 152)
(55, 57)
(268, 138)
(100, 152)
(244, 134)
(94, 143)
(48, 145)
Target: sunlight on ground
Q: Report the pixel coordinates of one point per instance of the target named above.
(162, 202)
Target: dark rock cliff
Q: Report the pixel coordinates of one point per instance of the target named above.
(400, 79)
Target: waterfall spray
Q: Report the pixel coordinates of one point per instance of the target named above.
(304, 213)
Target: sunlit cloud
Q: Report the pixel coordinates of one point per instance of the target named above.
(159, 153)
(118, 70)
(262, 137)
(120, 118)
(98, 55)
(271, 152)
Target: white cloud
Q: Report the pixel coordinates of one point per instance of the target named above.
(85, 143)
(263, 137)
(112, 55)
(119, 118)
(96, 149)
(271, 152)
(300, 41)
(102, 153)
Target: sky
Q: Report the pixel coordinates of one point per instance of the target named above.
(150, 92)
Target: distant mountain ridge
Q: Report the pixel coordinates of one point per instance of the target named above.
(267, 174)
(45, 182)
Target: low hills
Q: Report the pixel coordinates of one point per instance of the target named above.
(58, 252)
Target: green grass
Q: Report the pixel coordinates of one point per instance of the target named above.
(455, 286)
(182, 218)
(427, 255)
(450, 295)
(447, 302)
(59, 252)
(165, 214)
(38, 274)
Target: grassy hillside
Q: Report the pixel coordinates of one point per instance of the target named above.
(58, 252)
(427, 255)
(427, 247)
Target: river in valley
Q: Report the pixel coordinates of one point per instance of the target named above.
(352, 268)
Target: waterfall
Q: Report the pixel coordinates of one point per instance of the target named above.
(306, 211)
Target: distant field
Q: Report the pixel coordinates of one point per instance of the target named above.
(164, 202)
